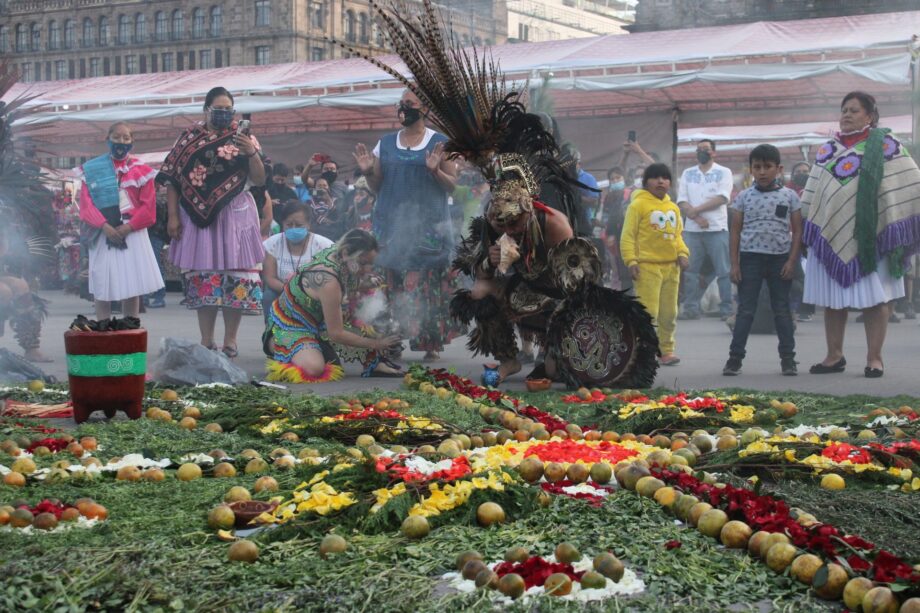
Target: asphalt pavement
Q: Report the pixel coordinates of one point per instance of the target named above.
(702, 346)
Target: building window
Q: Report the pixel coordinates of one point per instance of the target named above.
(263, 55)
(378, 35)
(54, 35)
(4, 39)
(317, 15)
(140, 28)
(124, 30)
(180, 61)
(89, 33)
(348, 25)
(94, 67)
(104, 31)
(131, 64)
(263, 13)
(167, 62)
(178, 25)
(218, 58)
(204, 59)
(161, 26)
(317, 54)
(60, 70)
(36, 37)
(523, 32)
(21, 38)
(26, 71)
(363, 34)
(217, 21)
(198, 23)
(70, 33)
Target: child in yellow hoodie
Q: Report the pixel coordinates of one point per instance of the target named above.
(653, 248)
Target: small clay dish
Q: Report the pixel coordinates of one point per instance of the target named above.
(538, 385)
(247, 510)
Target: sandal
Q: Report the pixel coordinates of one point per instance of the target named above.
(873, 373)
(823, 369)
(211, 347)
(669, 360)
(230, 352)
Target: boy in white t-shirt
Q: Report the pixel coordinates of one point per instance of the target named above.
(766, 238)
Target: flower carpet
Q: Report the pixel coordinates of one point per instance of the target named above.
(450, 495)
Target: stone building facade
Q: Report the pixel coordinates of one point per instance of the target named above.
(75, 39)
(654, 15)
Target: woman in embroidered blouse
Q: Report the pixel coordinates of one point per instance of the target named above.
(122, 265)
(286, 252)
(863, 201)
(213, 220)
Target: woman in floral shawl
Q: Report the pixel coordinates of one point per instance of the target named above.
(863, 201)
(213, 219)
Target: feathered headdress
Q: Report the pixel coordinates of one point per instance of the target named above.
(468, 101)
(24, 202)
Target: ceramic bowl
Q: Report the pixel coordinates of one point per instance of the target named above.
(538, 385)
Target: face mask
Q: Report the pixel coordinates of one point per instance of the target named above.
(703, 157)
(298, 181)
(618, 186)
(120, 151)
(330, 176)
(221, 118)
(800, 179)
(410, 115)
(296, 235)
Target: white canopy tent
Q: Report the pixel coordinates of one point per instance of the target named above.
(767, 73)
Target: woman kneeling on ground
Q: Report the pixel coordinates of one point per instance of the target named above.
(306, 336)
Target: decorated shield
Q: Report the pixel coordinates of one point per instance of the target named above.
(601, 337)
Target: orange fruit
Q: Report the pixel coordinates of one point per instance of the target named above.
(14, 479)
(4, 517)
(95, 511)
(88, 443)
(70, 514)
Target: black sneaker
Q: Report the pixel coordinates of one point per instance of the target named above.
(732, 367)
(788, 365)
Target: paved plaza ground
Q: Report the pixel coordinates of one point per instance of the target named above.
(702, 345)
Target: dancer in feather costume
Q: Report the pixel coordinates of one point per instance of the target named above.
(25, 241)
(529, 268)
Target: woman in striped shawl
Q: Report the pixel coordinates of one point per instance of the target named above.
(863, 202)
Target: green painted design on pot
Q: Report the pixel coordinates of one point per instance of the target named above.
(107, 365)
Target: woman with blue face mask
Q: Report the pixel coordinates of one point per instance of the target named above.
(210, 174)
(287, 251)
(118, 199)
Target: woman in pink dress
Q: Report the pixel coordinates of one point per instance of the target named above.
(213, 219)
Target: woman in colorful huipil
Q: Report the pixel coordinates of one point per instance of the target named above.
(306, 336)
(118, 199)
(863, 201)
(412, 177)
(213, 219)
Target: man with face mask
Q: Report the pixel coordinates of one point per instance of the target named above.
(329, 170)
(703, 194)
(279, 189)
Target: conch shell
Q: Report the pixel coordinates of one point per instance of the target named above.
(510, 253)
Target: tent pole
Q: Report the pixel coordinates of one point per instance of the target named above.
(915, 94)
(675, 123)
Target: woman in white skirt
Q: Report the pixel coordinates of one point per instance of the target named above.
(863, 201)
(118, 198)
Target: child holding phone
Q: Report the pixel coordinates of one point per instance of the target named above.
(765, 242)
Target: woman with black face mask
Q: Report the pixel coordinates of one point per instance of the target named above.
(118, 200)
(799, 177)
(412, 177)
(213, 220)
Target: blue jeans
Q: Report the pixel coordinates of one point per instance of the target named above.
(158, 244)
(755, 269)
(702, 245)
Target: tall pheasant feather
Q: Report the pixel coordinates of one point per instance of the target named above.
(460, 87)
